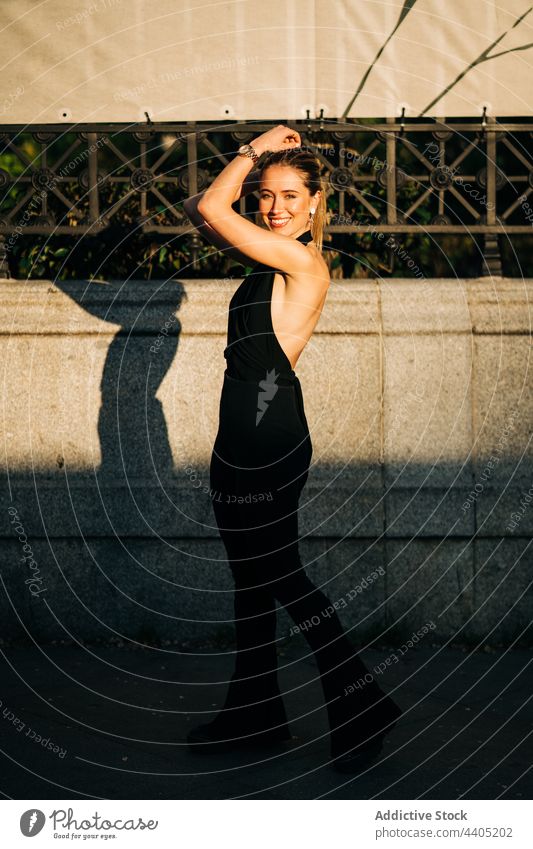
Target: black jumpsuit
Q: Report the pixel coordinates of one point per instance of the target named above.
(259, 465)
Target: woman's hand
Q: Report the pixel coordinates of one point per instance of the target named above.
(278, 138)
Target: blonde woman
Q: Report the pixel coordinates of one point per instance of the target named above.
(263, 450)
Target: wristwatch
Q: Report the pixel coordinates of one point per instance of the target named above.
(247, 150)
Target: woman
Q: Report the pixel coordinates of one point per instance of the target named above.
(262, 453)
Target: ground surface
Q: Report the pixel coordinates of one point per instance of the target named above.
(118, 719)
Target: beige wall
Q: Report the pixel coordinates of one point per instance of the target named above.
(419, 399)
(113, 60)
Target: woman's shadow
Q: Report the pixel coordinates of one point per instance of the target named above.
(134, 443)
(122, 506)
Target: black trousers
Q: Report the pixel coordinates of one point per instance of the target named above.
(259, 465)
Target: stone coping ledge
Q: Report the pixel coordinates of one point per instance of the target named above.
(194, 307)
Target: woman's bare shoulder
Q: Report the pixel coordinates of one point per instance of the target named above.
(318, 273)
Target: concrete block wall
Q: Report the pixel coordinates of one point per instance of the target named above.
(419, 400)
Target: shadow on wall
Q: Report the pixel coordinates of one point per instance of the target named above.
(129, 548)
(104, 542)
(131, 424)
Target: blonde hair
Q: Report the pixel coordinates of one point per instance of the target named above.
(309, 167)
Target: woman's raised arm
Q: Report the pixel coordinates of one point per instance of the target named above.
(190, 205)
(258, 243)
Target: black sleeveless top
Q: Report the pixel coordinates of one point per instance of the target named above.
(253, 348)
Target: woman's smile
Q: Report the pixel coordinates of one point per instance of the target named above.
(279, 221)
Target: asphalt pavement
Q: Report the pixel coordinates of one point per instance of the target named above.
(109, 722)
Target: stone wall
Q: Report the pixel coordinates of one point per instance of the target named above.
(418, 396)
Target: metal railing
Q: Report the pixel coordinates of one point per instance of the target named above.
(394, 176)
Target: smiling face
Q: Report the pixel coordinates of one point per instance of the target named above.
(285, 201)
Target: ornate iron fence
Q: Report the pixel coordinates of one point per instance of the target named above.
(395, 177)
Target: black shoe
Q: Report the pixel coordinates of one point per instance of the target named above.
(245, 720)
(357, 740)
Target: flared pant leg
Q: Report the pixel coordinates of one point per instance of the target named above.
(257, 475)
(273, 572)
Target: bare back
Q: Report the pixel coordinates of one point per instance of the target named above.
(297, 302)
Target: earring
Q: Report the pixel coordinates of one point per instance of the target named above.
(311, 213)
